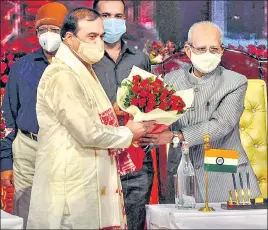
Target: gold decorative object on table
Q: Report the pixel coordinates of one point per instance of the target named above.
(230, 201)
(246, 202)
(235, 190)
(206, 147)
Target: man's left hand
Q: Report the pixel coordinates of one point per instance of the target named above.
(157, 139)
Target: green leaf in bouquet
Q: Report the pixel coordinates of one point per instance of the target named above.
(169, 87)
(127, 101)
(131, 93)
(126, 83)
(151, 79)
(127, 104)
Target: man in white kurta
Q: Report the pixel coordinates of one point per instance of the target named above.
(76, 183)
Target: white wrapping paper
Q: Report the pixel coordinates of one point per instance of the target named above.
(158, 115)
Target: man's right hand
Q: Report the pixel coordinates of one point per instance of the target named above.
(139, 129)
(7, 178)
(118, 111)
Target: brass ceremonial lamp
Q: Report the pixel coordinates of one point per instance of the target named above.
(206, 208)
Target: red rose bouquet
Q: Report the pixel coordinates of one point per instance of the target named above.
(146, 97)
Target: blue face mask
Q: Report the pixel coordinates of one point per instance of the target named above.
(114, 29)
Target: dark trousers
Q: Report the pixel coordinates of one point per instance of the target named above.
(169, 197)
(137, 187)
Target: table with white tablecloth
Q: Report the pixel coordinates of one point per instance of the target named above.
(166, 216)
(9, 221)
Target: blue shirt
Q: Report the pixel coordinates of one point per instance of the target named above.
(19, 104)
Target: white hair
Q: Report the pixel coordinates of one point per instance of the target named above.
(190, 33)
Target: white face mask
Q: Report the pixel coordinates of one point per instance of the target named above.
(50, 41)
(205, 63)
(91, 52)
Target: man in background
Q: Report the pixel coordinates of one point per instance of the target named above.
(115, 66)
(18, 148)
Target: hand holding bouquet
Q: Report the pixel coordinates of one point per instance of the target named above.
(146, 98)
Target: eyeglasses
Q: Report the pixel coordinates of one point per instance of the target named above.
(44, 30)
(203, 49)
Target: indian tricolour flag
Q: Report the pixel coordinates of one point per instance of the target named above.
(220, 160)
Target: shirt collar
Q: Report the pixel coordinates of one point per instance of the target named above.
(39, 55)
(194, 79)
(125, 48)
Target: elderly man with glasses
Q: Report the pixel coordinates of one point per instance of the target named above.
(216, 110)
(18, 148)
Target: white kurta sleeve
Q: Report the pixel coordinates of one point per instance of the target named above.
(65, 97)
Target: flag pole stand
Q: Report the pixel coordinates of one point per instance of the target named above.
(206, 208)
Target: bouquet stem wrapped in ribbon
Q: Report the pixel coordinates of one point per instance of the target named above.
(146, 98)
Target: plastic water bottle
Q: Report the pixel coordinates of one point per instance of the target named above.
(185, 186)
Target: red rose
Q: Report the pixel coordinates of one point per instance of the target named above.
(134, 101)
(3, 67)
(180, 109)
(163, 105)
(149, 109)
(157, 90)
(145, 82)
(135, 83)
(174, 98)
(136, 79)
(148, 88)
(251, 49)
(10, 57)
(265, 54)
(163, 97)
(165, 92)
(10, 63)
(181, 102)
(170, 102)
(136, 89)
(2, 134)
(151, 97)
(142, 102)
(158, 82)
(4, 79)
(151, 105)
(143, 93)
(261, 53)
(174, 107)
(2, 125)
(231, 46)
